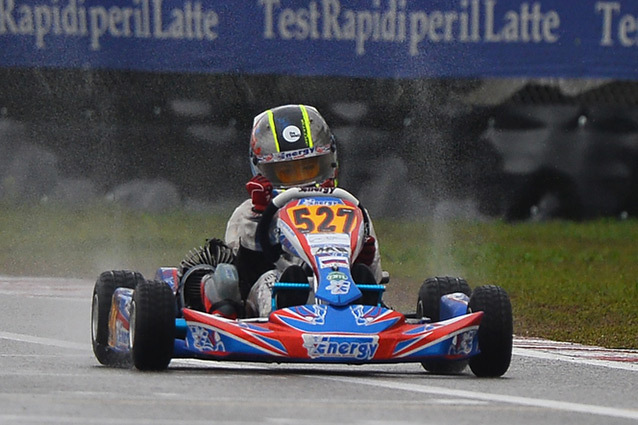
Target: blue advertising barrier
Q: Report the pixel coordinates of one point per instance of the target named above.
(357, 38)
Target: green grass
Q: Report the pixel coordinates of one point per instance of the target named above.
(82, 243)
(567, 281)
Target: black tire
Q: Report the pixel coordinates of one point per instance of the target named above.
(495, 333)
(152, 325)
(429, 305)
(103, 290)
(431, 291)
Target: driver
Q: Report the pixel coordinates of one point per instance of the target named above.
(290, 146)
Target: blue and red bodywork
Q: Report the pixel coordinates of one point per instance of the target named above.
(327, 334)
(353, 334)
(326, 232)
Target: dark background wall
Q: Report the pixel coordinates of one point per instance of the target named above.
(522, 149)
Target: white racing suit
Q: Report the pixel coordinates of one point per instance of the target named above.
(240, 235)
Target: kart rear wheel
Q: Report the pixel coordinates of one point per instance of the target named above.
(152, 325)
(495, 332)
(429, 305)
(103, 290)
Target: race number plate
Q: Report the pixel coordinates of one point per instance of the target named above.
(324, 218)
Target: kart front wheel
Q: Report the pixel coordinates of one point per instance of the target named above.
(103, 290)
(495, 332)
(152, 325)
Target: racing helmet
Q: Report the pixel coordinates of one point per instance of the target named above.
(292, 145)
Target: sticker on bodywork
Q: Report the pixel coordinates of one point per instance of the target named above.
(205, 340)
(340, 346)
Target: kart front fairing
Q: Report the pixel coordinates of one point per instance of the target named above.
(315, 333)
(327, 334)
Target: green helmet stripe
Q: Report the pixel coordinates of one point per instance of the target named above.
(271, 121)
(306, 124)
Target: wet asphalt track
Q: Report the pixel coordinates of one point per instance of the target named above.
(48, 375)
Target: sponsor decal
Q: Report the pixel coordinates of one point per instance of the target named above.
(462, 343)
(291, 133)
(140, 19)
(325, 240)
(340, 346)
(313, 189)
(119, 318)
(206, 340)
(320, 201)
(400, 23)
(339, 283)
(301, 153)
(319, 250)
(331, 262)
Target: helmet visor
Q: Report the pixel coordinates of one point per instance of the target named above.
(299, 172)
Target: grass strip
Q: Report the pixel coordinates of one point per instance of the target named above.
(567, 281)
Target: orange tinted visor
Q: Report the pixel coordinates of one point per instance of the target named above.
(315, 169)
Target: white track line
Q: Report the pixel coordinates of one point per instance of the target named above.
(67, 419)
(44, 341)
(576, 353)
(439, 391)
(539, 354)
(500, 398)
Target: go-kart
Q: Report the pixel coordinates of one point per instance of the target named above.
(146, 323)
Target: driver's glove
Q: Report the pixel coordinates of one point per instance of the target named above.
(366, 255)
(260, 190)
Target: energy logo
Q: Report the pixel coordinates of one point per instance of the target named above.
(340, 346)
